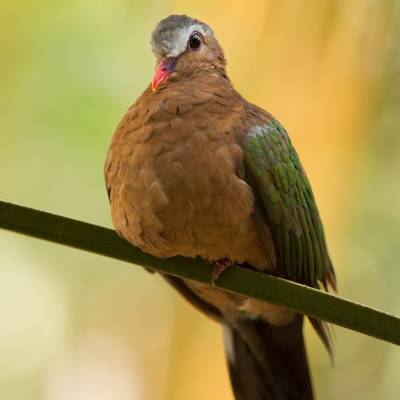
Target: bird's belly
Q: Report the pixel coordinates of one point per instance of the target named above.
(235, 307)
(186, 199)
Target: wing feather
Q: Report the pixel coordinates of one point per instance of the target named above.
(279, 179)
(274, 171)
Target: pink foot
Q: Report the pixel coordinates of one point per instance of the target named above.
(219, 267)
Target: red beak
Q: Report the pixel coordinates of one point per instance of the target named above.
(163, 70)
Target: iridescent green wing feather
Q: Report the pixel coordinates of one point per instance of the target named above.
(274, 169)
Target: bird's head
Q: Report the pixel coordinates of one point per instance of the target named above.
(183, 46)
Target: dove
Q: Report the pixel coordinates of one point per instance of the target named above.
(195, 170)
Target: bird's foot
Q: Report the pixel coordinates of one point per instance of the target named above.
(219, 267)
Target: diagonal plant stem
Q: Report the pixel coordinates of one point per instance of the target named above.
(103, 241)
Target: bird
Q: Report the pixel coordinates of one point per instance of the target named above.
(195, 170)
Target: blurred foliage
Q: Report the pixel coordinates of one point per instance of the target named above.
(75, 325)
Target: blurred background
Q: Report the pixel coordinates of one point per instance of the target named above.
(79, 326)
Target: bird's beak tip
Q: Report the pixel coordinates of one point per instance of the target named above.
(163, 70)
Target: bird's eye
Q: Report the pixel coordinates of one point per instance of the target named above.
(195, 41)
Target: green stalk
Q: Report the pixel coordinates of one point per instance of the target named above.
(294, 296)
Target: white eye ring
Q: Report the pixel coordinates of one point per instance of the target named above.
(195, 41)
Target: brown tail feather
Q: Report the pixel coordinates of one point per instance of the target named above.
(267, 362)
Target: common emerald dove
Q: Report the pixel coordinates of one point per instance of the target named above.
(195, 170)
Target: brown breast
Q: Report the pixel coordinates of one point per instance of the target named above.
(174, 171)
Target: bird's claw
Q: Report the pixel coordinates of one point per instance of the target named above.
(219, 267)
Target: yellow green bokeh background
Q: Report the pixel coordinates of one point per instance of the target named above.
(79, 326)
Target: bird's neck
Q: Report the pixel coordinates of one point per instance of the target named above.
(199, 92)
(211, 80)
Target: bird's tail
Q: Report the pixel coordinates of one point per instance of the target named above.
(267, 362)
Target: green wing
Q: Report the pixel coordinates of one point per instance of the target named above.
(273, 168)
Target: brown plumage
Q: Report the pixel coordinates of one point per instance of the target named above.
(178, 185)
